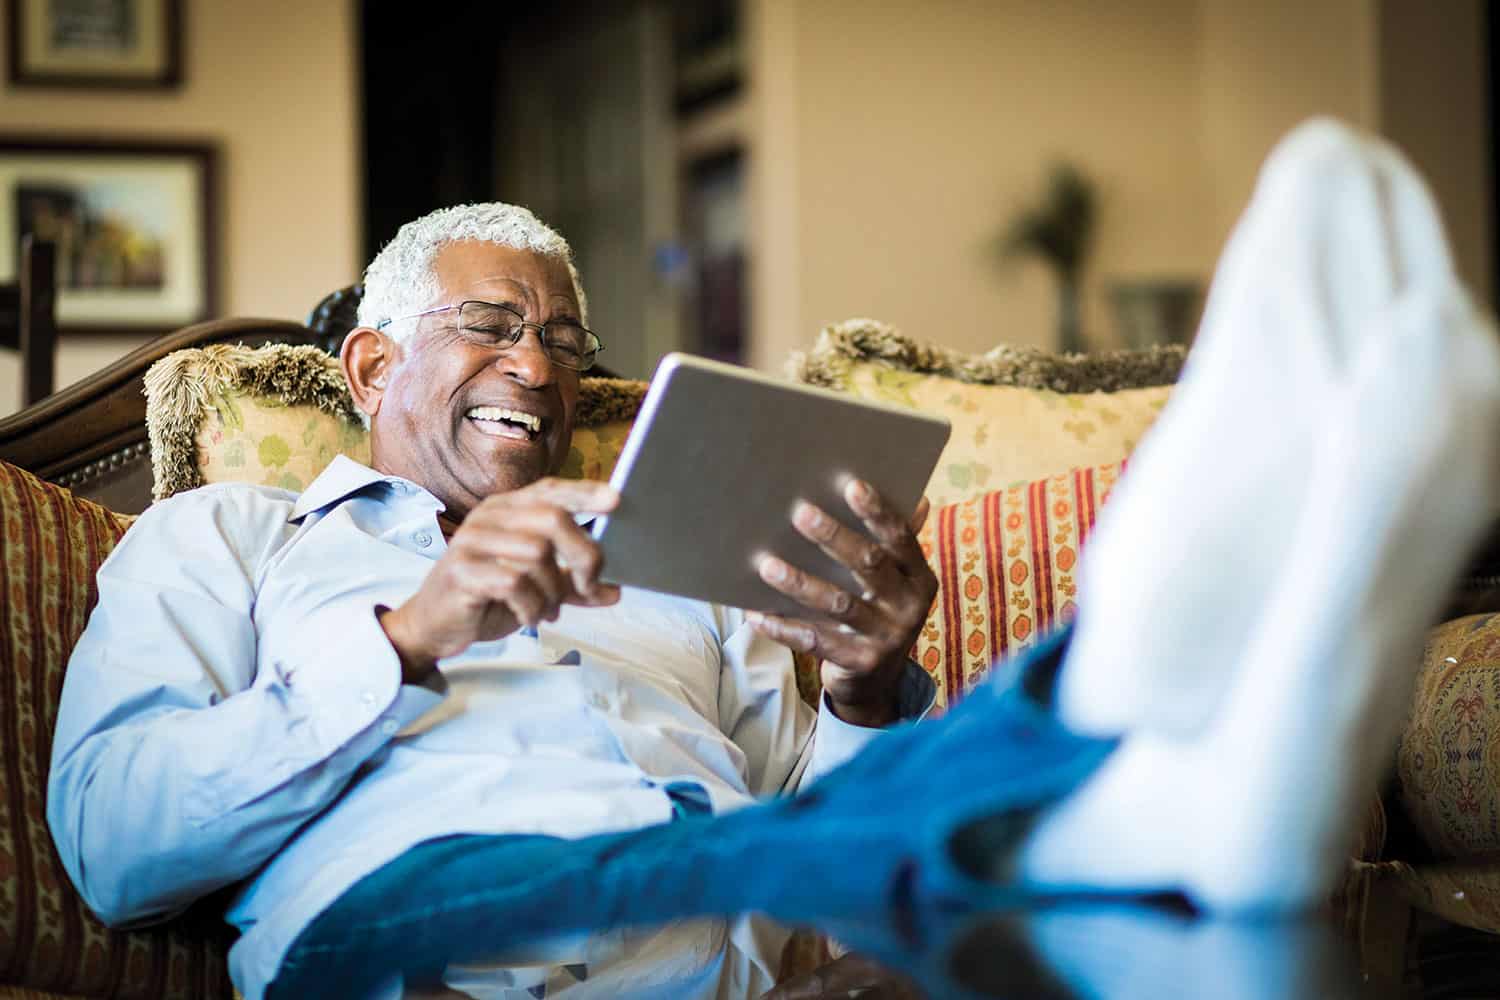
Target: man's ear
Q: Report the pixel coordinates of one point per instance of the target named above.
(367, 358)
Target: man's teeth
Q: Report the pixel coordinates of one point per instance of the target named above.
(530, 421)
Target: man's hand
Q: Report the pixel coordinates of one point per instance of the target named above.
(862, 638)
(516, 560)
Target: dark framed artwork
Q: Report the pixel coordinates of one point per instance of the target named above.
(133, 222)
(104, 44)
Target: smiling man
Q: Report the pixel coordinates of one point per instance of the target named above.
(291, 692)
(432, 761)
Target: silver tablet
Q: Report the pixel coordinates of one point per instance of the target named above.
(715, 463)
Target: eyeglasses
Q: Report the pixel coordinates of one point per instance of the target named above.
(499, 328)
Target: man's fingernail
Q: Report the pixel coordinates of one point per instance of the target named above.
(773, 570)
(754, 617)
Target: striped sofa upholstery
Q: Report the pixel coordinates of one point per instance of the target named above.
(51, 543)
(1007, 564)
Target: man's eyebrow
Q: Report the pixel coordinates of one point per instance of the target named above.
(567, 310)
(500, 300)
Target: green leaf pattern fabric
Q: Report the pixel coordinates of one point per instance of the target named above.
(1003, 435)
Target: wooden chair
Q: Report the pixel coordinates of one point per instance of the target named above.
(28, 318)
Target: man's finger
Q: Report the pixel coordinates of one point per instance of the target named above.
(567, 543)
(919, 516)
(576, 495)
(498, 582)
(829, 642)
(543, 581)
(888, 528)
(818, 595)
(870, 563)
(601, 595)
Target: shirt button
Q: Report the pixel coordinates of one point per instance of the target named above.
(368, 698)
(422, 538)
(388, 727)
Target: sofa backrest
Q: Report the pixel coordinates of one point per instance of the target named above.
(51, 544)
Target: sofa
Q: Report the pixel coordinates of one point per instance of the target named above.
(1038, 442)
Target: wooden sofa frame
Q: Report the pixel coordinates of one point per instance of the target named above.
(91, 436)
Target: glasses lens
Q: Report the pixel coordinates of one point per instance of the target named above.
(489, 322)
(571, 346)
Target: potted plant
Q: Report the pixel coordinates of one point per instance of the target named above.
(1059, 229)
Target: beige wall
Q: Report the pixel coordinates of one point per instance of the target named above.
(1267, 65)
(273, 83)
(916, 131)
(892, 140)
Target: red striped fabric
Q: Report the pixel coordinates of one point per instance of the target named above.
(1006, 563)
(948, 596)
(994, 564)
(51, 544)
(1041, 556)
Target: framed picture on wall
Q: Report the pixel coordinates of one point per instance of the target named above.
(133, 223)
(104, 44)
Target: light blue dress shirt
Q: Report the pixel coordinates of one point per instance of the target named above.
(234, 713)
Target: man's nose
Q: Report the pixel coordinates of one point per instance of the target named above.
(527, 361)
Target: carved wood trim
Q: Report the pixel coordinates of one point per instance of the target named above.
(92, 435)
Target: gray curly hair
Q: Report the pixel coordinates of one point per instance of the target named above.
(399, 281)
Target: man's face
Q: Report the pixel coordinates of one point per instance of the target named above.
(432, 425)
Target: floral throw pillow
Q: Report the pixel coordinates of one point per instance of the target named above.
(1018, 414)
(277, 415)
(1003, 435)
(259, 439)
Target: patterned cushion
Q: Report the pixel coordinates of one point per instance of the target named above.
(1017, 414)
(276, 415)
(258, 439)
(595, 450)
(1448, 760)
(51, 542)
(1006, 564)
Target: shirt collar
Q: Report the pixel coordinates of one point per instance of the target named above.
(345, 477)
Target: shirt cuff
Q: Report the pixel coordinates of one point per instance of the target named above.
(836, 741)
(412, 702)
(352, 681)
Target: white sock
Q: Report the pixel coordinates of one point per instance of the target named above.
(1198, 526)
(1255, 808)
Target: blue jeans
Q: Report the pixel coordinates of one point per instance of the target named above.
(916, 828)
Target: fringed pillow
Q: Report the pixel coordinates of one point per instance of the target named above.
(276, 415)
(1018, 413)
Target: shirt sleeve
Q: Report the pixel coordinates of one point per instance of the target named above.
(178, 767)
(836, 741)
(786, 744)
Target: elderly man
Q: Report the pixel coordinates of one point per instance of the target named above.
(401, 712)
